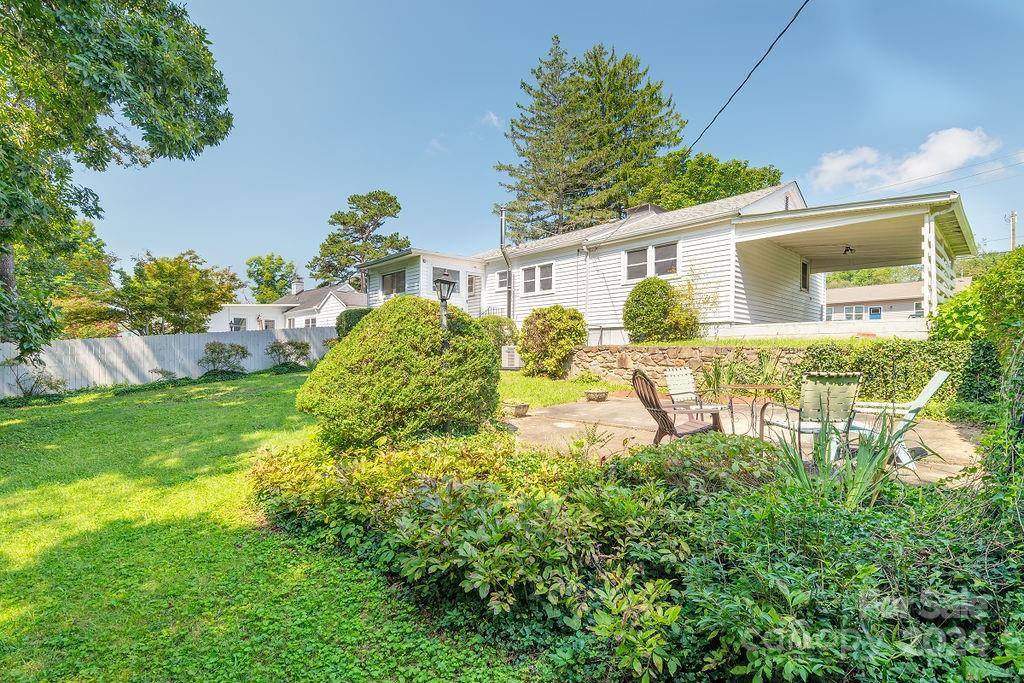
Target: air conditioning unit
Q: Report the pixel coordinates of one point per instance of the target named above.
(510, 359)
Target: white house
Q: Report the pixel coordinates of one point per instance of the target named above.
(758, 258)
(317, 307)
(899, 300)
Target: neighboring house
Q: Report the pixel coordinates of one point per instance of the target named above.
(756, 258)
(317, 307)
(899, 300)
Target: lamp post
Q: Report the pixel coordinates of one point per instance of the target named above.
(444, 286)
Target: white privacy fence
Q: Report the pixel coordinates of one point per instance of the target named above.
(85, 363)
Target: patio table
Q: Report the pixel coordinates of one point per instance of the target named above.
(766, 392)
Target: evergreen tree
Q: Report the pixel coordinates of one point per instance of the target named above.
(356, 239)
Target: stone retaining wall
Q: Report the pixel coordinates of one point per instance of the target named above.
(616, 363)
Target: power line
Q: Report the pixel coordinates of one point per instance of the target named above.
(749, 74)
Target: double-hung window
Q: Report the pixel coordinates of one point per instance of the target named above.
(437, 273)
(660, 259)
(538, 278)
(393, 283)
(472, 284)
(309, 322)
(502, 279)
(805, 276)
(853, 312)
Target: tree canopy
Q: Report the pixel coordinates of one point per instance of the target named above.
(594, 136)
(356, 240)
(167, 295)
(92, 83)
(270, 276)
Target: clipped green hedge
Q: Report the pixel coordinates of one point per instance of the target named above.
(656, 311)
(893, 369)
(389, 378)
(348, 319)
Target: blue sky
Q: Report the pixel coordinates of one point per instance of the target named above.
(336, 98)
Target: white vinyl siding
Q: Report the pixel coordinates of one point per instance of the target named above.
(327, 315)
(768, 285)
(374, 293)
(453, 274)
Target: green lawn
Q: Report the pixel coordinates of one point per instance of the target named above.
(541, 391)
(128, 551)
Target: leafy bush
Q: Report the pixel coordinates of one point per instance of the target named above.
(289, 352)
(31, 378)
(655, 311)
(500, 329)
(961, 318)
(219, 357)
(969, 411)
(548, 338)
(389, 378)
(893, 369)
(980, 383)
(1001, 290)
(348, 319)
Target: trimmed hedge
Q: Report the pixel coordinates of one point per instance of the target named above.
(893, 369)
(348, 319)
(549, 337)
(656, 311)
(389, 378)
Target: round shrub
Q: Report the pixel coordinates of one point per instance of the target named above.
(655, 311)
(348, 319)
(388, 377)
(548, 338)
(500, 329)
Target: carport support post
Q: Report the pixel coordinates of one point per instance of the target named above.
(929, 268)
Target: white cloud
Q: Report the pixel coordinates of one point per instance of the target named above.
(492, 119)
(863, 167)
(435, 146)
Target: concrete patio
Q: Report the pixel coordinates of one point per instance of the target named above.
(624, 423)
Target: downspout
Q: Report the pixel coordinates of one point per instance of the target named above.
(508, 270)
(586, 285)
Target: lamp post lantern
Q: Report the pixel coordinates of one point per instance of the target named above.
(444, 286)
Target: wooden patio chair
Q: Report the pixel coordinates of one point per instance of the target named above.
(903, 415)
(666, 415)
(826, 402)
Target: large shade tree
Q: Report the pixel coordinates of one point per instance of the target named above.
(356, 237)
(92, 82)
(270, 276)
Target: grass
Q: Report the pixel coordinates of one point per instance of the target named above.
(128, 551)
(763, 343)
(541, 391)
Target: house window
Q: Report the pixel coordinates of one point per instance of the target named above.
(237, 325)
(309, 322)
(874, 312)
(538, 278)
(829, 311)
(853, 312)
(805, 276)
(268, 324)
(291, 323)
(918, 309)
(393, 283)
(665, 262)
(502, 279)
(452, 275)
(636, 264)
(472, 284)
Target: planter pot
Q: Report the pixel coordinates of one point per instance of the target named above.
(517, 409)
(596, 394)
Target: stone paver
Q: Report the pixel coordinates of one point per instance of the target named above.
(623, 422)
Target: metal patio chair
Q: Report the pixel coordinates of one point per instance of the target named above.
(666, 416)
(826, 402)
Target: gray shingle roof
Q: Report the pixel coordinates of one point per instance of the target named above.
(311, 298)
(647, 222)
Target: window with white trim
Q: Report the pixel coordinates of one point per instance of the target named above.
(237, 325)
(874, 312)
(636, 264)
(538, 278)
(472, 284)
(392, 283)
(268, 324)
(853, 312)
(309, 322)
(918, 309)
(805, 276)
(665, 258)
(502, 279)
(453, 275)
(291, 323)
(829, 311)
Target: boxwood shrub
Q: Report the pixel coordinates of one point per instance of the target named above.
(389, 378)
(548, 339)
(655, 311)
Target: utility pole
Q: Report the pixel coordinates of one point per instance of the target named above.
(1013, 229)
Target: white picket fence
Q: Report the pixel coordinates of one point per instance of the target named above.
(85, 363)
